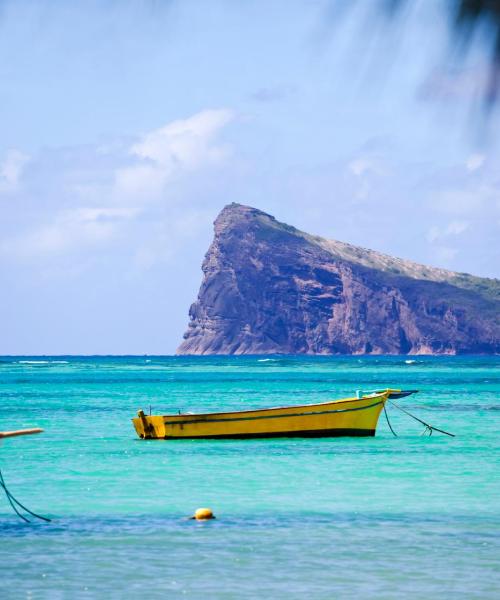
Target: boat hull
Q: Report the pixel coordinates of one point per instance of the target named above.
(356, 417)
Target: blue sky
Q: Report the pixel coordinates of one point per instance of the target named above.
(126, 126)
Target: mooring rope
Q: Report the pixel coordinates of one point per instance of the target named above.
(13, 502)
(428, 427)
(389, 423)
(426, 430)
(14, 507)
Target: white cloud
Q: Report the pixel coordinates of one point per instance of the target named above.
(359, 166)
(456, 227)
(70, 229)
(140, 181)
(11, 169)
(433, 234)
(84, 197)
(184, 142)
(474, 162)
(453, 228)
(177, 148)
(365, 173)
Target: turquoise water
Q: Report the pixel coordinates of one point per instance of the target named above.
(379, 517)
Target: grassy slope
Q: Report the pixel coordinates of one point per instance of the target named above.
(489, 289)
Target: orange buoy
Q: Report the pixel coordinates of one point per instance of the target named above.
(203, 514)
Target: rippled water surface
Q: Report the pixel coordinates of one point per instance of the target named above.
(379, 517)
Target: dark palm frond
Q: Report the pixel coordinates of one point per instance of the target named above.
(468, 17)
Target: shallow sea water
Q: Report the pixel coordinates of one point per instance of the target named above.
(378, 517)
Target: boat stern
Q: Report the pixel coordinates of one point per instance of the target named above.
(149, 427)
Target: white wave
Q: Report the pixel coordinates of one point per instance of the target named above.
(265, 360)
(410, 362)
(43, 362)
(34, 362)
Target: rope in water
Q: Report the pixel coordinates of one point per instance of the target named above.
(428, 427)
(16, 505)
(389, 423)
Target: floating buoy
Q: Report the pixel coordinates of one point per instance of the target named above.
(203, 514)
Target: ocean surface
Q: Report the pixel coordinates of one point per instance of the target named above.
(383, 517)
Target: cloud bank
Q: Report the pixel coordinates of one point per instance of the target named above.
(81, 199)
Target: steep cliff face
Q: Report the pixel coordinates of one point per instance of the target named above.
(270, 288)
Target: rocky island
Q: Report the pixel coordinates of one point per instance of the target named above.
(269, 288)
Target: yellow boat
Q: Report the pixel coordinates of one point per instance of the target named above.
(356, 416)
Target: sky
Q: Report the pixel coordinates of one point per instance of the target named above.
(126, 126)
